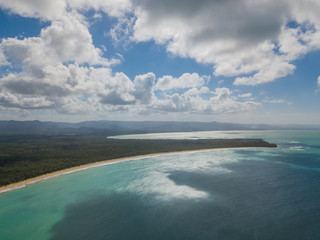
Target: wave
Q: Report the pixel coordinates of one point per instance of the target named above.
(25, 183)
(298, 148)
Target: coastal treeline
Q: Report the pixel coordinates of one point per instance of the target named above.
(26, 156)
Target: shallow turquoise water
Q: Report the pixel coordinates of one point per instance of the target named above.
(217, 194)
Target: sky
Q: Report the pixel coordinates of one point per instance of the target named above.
(245, 61)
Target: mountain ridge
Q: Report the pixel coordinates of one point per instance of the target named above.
(110, 128)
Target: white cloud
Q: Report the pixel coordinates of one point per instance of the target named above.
(186, 80)
(115, 8)
(274, 70)
(49, 67)
(251, 38)
(53, 10)
(3, 60)
(121, 32)
(224, 102)
(197, 91)
(65, 40)
(9, 100)
(276, 101)
(68, 39)
(144, 87)
(245, 95)
(318, 85)
(306, 11)
(118, 90)
(45, 9)
(291, 44)
(61, 68)
(221, 101)
(220, 82)
(78, 89)
(68, 88)
(58, 71)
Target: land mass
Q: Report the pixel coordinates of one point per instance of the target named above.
(112, 128)
(27, 156)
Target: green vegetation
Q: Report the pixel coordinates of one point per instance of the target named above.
(27, 156)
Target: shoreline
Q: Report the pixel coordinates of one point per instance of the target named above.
(25, 183)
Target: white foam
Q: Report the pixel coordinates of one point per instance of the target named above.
(13, 188)
(155, 179)
(159, 185)
(298, 148)
(69, 172)
(177, 164)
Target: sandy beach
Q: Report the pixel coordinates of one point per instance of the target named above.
(27, 182)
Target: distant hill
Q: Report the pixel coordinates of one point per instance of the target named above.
(131, 127)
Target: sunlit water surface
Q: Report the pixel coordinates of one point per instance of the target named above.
(213, 194)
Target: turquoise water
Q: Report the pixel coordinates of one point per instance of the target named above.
(215, 194)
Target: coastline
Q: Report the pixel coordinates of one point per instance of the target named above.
(25, 183)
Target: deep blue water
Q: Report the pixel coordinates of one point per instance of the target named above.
(218, 194)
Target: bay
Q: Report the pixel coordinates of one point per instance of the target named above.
(214, 194)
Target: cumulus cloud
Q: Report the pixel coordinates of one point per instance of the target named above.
(117, 90)
(30, 87)
(251, 38)
(3, 59)
(318, 85)
(62, 69)
(9, 100)
(245, 95)
(45, 9)
(63, 65)
(279, 69)
(74, 89)
(65, 40)
(61, 62)
(252, 21)
(198, 91)
(144, 85)
(67, 85)
(115, 8)
(254, 41)
(276, 101)
(220, 101)
(52, 10)
(186, 80)
(224, 102)
(121, 32)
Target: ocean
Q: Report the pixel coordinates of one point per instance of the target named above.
(247, 194)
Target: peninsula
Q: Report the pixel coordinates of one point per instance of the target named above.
(24, 157)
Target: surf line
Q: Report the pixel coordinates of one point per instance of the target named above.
(25, 183)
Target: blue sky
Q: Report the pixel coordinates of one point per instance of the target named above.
(183, 60)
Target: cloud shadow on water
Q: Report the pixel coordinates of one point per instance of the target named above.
(252, 202)
(128, 216)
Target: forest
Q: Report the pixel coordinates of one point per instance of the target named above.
(26, 156)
